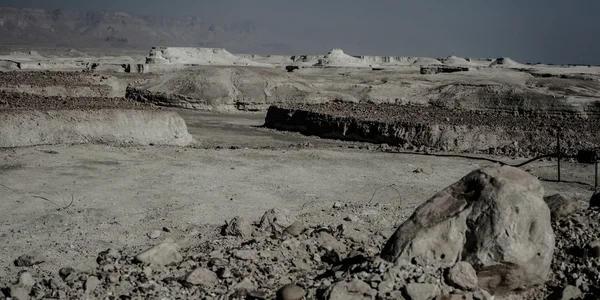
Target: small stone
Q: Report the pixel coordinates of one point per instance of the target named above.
(109, 256)
(561, 207)
(385, 286)
(224, 273)
(26, 280)
(148, 271)
(397, 295)
(246, 284)
(91, 283)
(296, 229)
(337, 205)
(246, 254)
(290, 292)
(28, 260)
(65, 272)
(114, 277)
(217, 262)
(567, 293)
(579, 282)
(256, 295)
(107, 268)
(237, 227)
(300, 264)
(421, 291)
(276, 220)
(375, 278)
(351, 218)
(166, 229)
(202, 276)
(594, 248)
(329, 243)
(355, 289)
(161, 255)
(155, 234)
(465, 296)
(19, 293)
(356, 235)
(463, 276)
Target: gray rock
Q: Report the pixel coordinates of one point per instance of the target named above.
(92, 283)
(328, 242)
(464, 296)
(296, 229)
(114, 277)
(108, 256)
(224, 273)
(397, 295)
(202, 276)
(463, 276)
(161, 255)
(19, 293)
(246, 254)
(28, 260)
(353, 290)
(26, 280)
(290, 292)
(567, 293)
(148, 271)
(421, 291)
(561, 207)
(351, 218)
(494, 218)
(246, 284)
(155, 234)
(337, 205)
(237, 227)
(386, 286)
(594, 248)
(356, 235)
(276, 220)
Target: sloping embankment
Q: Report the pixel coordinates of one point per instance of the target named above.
(112, 126)
(436, 128)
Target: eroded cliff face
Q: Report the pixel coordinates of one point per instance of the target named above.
(437, 129)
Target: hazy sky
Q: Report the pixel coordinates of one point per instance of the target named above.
(555, 31)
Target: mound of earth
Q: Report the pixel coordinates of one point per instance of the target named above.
(505, 62)
(8, 65)
(456, 61)
(212, 88)
(426, 61)
(19, 128)
(197, 56)
(337, 58)
(435, 129)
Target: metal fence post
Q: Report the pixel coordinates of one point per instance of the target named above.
(596, 177)
(558, 151)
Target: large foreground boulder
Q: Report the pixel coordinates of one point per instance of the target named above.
(494, 218)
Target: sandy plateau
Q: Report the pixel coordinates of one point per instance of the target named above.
(195, 173)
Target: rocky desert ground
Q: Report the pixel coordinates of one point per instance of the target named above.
(195, 173)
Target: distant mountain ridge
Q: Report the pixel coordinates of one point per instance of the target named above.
(100, 29)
